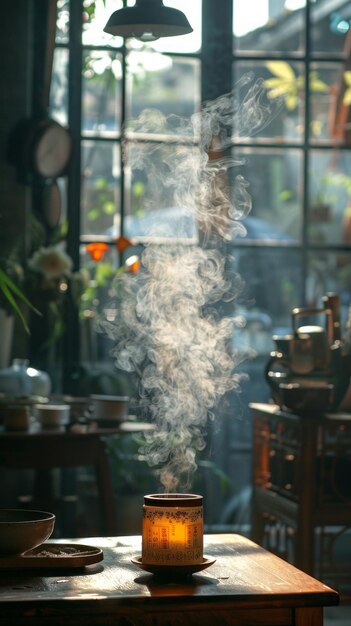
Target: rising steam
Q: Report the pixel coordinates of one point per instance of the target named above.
(170, 329)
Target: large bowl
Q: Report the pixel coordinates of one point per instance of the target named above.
(22, 530)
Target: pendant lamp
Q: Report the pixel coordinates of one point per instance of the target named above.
(148, 20)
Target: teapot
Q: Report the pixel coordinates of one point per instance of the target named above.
(310, 352)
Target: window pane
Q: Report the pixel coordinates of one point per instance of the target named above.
(272, 285)
(284, 104)
(330, 196)
(95, 16)
(330, 26)
(329, 111)
(62, 21)
(185, 43)
(269, 26)
(101, 97)
(97, 292)
(100, 188)
(275, 185)
(59, 86)
(171, 85)
(161, 190)
(329, 272)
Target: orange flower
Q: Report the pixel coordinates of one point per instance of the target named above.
(132, 264)
(97, 250)
(122, 243)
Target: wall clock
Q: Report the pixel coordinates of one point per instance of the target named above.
(51, 149)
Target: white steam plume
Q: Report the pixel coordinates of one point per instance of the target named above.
(169, 327)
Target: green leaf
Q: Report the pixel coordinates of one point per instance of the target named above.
(281, 69)
(109, 208)
(15, 306)
(272, 82)
(11, 291)
(93, 214)
(285, 195)
(138, 189)
(316, 84)
(291, 102)
(316, 127)
(100, 183)
(282, 90)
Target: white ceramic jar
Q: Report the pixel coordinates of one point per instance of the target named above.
(22, 380)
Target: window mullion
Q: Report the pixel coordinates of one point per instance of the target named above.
(217, 43)
(305, 182)
(71, 339)
(75, 120)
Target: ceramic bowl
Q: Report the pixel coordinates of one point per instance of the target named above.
(22, 530)
(52, 415)
(109, 408)
(307, 396)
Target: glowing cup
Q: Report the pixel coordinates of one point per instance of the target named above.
(172, 529)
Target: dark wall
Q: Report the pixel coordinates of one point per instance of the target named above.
(15, 99)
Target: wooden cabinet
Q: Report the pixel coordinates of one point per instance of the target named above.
(301, 502)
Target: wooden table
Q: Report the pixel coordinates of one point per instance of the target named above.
(44, 450)
(246, 586)
(302, 490)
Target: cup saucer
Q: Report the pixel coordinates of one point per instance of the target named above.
(173, 571)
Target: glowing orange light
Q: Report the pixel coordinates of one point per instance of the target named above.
(122, 243)
(97, 250)
(132, 264)
(172, 532)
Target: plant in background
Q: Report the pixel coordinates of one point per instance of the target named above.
(48, 277)
(11, 294)
(101, 275)
(347, 93)
(49, 269)
(290, 86)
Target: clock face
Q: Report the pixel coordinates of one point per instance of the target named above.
(52, 150)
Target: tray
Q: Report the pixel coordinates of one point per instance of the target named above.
(54, 556)
(173, 570)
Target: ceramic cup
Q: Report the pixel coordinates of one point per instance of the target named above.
(109, 408)
(52, 415)
(17, 417)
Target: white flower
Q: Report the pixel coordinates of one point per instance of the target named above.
(52, 262)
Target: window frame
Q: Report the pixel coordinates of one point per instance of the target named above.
(216, 79)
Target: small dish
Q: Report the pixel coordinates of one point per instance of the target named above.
(54, 556)
(173, 571)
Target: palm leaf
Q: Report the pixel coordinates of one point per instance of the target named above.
(11, 292)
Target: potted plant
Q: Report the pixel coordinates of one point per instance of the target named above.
(11, 299)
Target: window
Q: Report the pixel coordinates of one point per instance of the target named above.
(297, 163)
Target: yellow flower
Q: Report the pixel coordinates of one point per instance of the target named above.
(52, 262)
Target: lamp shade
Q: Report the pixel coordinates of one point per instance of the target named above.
(148, 20)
